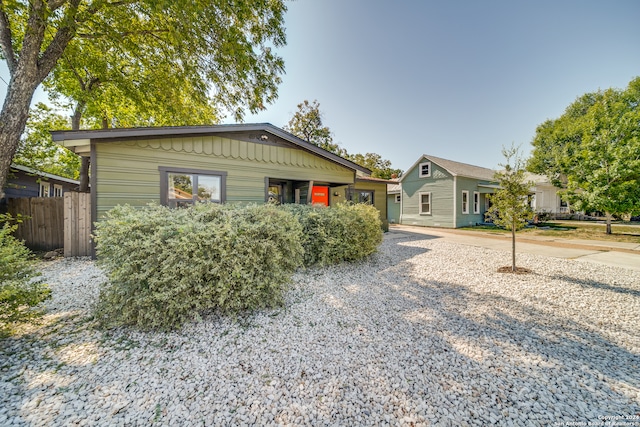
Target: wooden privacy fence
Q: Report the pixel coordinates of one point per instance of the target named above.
(55, 222)
(44, 229)
(77, 224)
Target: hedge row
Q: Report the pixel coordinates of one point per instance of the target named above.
(168, 266)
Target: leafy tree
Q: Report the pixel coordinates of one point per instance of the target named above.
(509, 204)
(307, 124)
(37, 149)
(593, 151)
(223, 49)
(379, 167)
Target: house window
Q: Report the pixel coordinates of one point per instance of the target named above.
(476, 202)
(57, 190)
(398, 198)
(465, 202)
(365, 197)
(184, 187)
(45, 189)
(425, 203)
(425, 169)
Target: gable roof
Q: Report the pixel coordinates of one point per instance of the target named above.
(32, 171)
(457, 168)
(70, 138)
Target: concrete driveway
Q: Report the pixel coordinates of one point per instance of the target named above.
(617, 254)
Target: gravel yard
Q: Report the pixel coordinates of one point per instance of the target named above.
(424, 333)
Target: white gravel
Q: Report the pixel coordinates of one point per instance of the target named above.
(424, 333)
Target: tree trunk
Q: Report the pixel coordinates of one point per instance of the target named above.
(513, 247)
(13, 117)
(608, 216)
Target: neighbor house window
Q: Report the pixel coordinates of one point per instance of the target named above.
(425, 169)
(465, 202)
(365, 197)
(45, 189)
(57, 190)
(476, 202)
(425, 203)
(398, 198)
(184, 187)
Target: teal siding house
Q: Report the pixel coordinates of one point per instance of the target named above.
(394, 196)
(437, 192)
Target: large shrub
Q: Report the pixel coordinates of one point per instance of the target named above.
(166, 266)
(20, 287)
(345, 232)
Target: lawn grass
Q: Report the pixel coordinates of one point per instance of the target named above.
(582, 230)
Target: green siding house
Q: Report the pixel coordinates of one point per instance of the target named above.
(241, 163)
(437, 192)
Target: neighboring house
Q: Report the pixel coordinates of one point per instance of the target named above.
(394, 196)
(442, 193)
(24, 181)
(245, 163)
(545, 196)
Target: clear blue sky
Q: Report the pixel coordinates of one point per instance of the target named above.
(455, 79)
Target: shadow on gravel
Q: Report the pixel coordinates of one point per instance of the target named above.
(598, 285)
(545, 363)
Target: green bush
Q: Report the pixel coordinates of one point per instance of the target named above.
(345, 232)
(166, 266)
(20, 288)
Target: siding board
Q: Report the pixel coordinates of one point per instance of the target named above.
(128, 173)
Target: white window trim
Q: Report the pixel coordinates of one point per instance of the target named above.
(420, 203)
(45, 189)
(476, 202)
(465, 207)
(420, 170)
(398, 198)
(57, 190)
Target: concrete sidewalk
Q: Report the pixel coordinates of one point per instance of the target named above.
(618, 254)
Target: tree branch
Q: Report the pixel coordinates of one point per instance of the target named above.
(5, 40)
(55, 4)
(60, 41)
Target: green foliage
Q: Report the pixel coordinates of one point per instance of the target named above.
(150, 63)
(20, 288)
(346, 232)
(166, 266)
(37, 149)
(593, 150)
(307, 124)
(509, 204)
(379, 167)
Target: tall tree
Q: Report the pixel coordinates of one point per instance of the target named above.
(223, 47)
(379, 167)
(37, 149)
(593, 151)
(509, 204)
(307, 124)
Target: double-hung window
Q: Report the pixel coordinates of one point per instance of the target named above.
(425, 169)
(476, 202)
(425, 204)
(57, 190)
(398, 198)
(465, 202)
(182, 187)
(45, 189)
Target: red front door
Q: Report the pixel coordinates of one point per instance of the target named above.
(320, 195)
